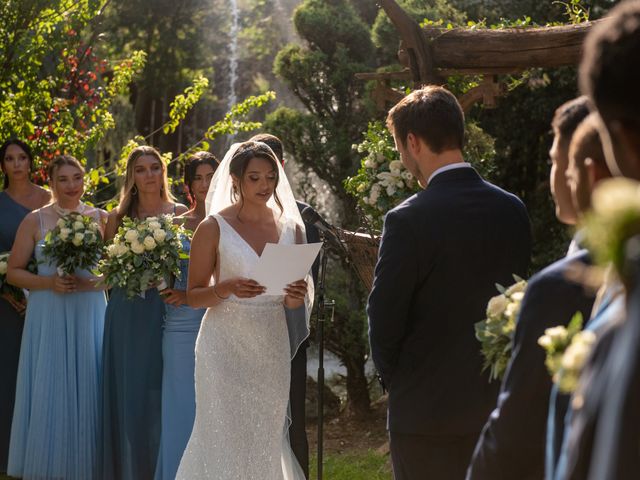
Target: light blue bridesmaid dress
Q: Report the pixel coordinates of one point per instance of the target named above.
(56, 421)
(180, 330)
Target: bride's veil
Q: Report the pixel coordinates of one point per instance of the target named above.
(220, 197)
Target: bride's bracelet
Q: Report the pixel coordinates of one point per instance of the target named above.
(215, 292)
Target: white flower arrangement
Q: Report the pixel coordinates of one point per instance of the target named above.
(568, 349)
(143, 253)
(74, 243)
(495, 333)
(382, 182)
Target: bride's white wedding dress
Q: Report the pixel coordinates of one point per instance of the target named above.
(242, 377)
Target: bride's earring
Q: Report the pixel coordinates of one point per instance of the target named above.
(134, 190)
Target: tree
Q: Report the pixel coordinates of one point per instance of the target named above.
(320, 138)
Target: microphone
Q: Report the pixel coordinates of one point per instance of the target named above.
(309, 215)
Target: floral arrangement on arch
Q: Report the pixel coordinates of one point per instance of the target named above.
(144, 253)
(382, 182)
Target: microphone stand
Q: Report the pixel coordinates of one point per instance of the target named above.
(321, 317)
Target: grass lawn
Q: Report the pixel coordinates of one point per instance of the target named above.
(353, 466)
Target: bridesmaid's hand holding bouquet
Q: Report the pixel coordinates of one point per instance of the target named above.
(144, 253)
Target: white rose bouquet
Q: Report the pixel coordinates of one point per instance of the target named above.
(143, 253)
(75, 243)
(567, 352)
(495, 333)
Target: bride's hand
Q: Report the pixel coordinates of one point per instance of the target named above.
(240, 287)
(295, 293)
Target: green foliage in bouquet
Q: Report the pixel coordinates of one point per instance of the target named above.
(7, 288)
(144, 253)
(74, 244)
(567, 351)
(495, 333)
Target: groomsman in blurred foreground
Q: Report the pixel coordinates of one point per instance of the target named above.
(512, 444)
(441, 254)
(605, 428)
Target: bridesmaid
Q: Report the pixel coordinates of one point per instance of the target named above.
(181, 326)
(56, 425)
(18, 198)
(133, 337)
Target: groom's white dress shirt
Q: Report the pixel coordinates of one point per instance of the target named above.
(446, 168)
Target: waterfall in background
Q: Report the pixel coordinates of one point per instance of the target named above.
(233, 53)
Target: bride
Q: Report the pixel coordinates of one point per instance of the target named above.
(243, 351)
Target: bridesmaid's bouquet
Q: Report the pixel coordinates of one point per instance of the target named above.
(495, 333)
(5, 287)
(144, 253)
(567, 352)
(74, 244)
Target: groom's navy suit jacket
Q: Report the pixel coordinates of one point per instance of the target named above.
(512, 444)
(441, 254)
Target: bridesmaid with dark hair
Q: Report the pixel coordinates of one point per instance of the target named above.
(133, 337)
(180, 330)
(19, 197)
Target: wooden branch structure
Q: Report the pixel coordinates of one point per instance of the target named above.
(430, 55)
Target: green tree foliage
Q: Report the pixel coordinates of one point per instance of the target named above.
(321, 75)
(55, 92)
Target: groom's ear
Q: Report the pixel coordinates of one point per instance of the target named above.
(413, 144)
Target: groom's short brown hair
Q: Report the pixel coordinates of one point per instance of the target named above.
(431, 113)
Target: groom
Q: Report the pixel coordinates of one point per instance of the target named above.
(441, 254)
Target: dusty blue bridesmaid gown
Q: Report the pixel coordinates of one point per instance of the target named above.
(131, 391)
(56, 420)
(11, 324)
(181, 326)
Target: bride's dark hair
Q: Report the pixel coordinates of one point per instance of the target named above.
(238, 166)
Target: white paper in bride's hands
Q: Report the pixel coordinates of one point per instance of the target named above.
(280, 265)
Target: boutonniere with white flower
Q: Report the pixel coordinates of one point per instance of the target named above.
(144, 253)
(567, 352)
(495, 333)
(73, 244)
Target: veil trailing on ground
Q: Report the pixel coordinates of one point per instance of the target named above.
(220, 197)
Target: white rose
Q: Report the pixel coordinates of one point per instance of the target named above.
(544, 341)
(373, 198)
(78, 239)
(131, 236)
(391, 190)
(78, 225)
(395, 166)
(386, 178)
(112, 250)
(60, 223)
(3, 268)
(93, 226)
(159, 235)
(154, 225)
(556, 334)
(370, 163)
(137, 247)
(149, 243)
(152, 219)
(517, 297)
(64, 233)
(497, 306)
